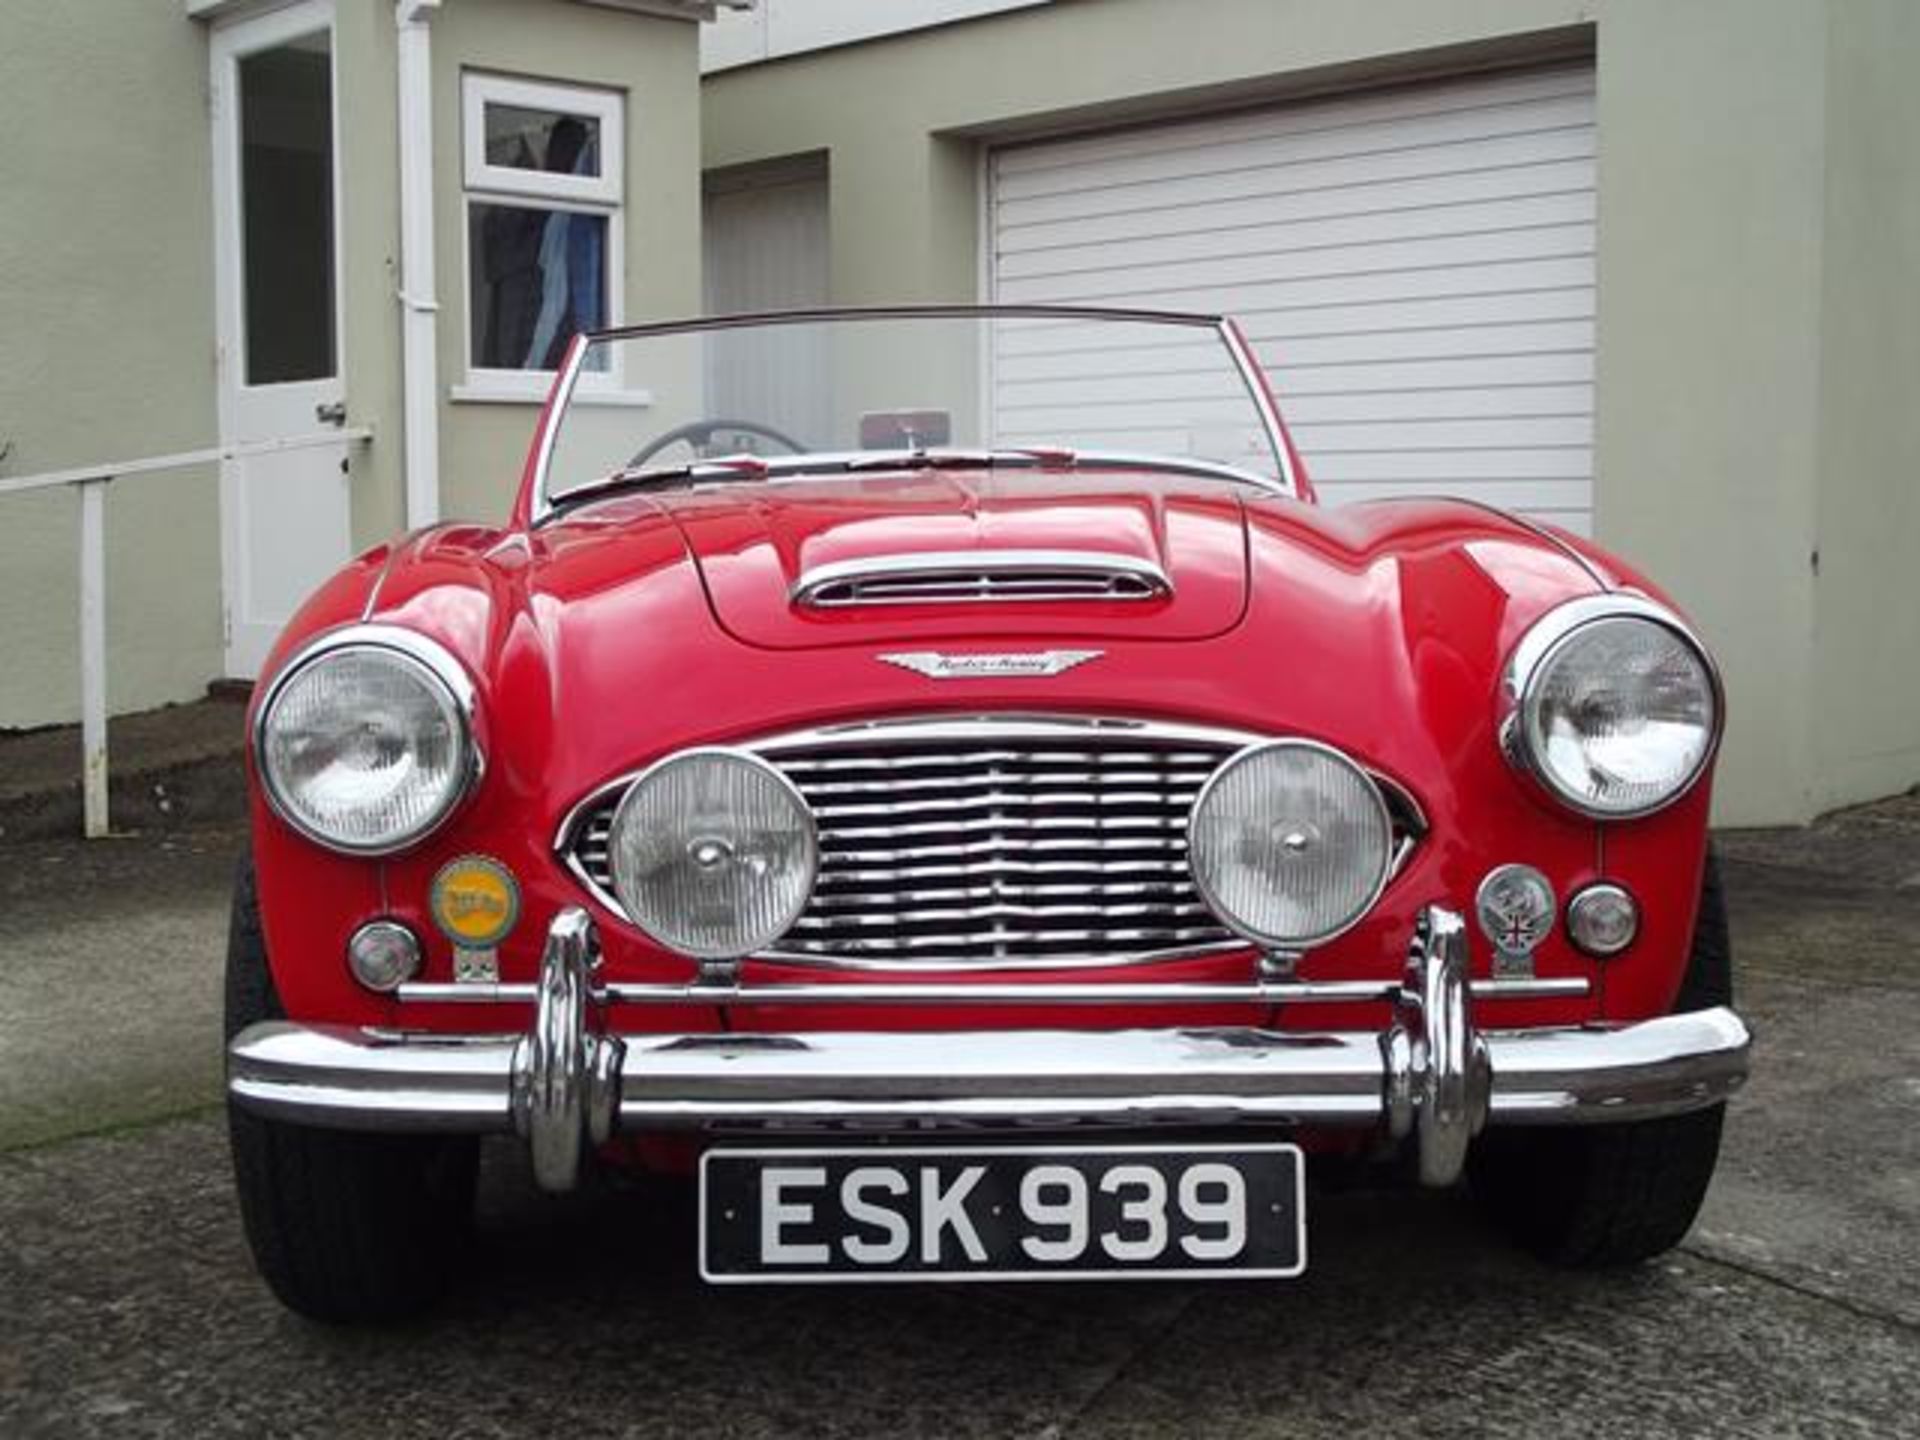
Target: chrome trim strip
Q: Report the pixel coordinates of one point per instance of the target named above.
(429, 656)
(559, 403)
(1044, 964)
(349, 1078)
(970, 992)
(1250, 375)
(1543, 640)
(1007, 725)
(980, 569)
(1630, 1072)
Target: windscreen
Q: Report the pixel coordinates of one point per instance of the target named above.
(867, 384)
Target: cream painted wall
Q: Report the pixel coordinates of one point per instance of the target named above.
(1708, 385)
(1756, 303)
(655, 61)
(1865, 728)
(368, 103)
(106, 297)
(106, 303)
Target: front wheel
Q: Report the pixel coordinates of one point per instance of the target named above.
(344, 1226)
(1614, 1194)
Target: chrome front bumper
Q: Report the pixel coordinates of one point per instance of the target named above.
(564, 1086)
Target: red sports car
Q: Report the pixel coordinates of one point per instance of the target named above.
(939, 776)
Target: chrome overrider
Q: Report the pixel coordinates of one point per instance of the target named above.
(1432, 1077)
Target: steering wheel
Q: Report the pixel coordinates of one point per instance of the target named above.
(699, 434)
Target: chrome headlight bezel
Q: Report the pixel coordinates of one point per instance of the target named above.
(1209, 892)
(424, 658)
(1544, 642)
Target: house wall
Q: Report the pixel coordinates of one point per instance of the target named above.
(1755, 303)
(1708, 364)
(655, 61)
(106, 286)
(366, 97)
(1864, 718)
(107, 297)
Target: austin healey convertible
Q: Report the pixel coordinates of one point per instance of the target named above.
(937, 778)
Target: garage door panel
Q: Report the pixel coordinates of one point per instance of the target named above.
(1498, 277)
(1483, 340)
(1371, 437)
(1366, 407)
(1415, 269)
(1306, 408)
(1530, 497)
(1392, 436)
(1185, 287)
(1089, 366)
(1171, 437)
(1437, 469)
(1506, 127)
(1419, 377)
(1411, 104)
(1287, 327)
(1252, 246)
(1185, 186)
(1240, 211)
(1577, 520)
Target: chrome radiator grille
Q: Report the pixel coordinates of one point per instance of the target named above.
(952, 845)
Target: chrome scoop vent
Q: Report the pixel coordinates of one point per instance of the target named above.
(968, 577)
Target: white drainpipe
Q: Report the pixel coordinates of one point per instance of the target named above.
(419, 382)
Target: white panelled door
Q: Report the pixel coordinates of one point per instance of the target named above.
(284, 517)
(1414, 266)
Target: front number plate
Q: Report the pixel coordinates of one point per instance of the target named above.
(1134, 1212)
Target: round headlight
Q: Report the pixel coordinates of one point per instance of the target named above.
(1617, 712)
(1289, 842)
(714, 853)
(365, 748)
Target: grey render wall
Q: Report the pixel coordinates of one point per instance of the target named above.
(655, 62)
(1864, 718)
(1755, 320)
(106, 306)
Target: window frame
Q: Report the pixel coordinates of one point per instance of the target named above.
(482, 183)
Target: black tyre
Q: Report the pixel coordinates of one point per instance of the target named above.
(344, 1226)
(1614, 1194)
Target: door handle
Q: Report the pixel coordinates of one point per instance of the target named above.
(331, 413)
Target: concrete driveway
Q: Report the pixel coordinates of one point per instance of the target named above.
(128, 1306)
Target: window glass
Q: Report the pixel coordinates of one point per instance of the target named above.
(521, 137)
(538, 277)
(286, 211)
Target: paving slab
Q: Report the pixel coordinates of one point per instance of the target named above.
(168, 768)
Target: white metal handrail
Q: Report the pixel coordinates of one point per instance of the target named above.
(92, 482)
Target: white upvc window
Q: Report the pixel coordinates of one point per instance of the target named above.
(545, 188)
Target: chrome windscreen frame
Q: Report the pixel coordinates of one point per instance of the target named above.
(1287, 482)
(1409, 820)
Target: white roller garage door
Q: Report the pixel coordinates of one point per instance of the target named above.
(1415, 268)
